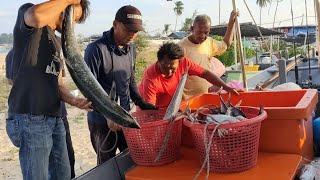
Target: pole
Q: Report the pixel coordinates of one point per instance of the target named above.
(235, 49)
(240, 47)
(219, 10)
(317, 6)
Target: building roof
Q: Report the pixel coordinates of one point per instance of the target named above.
(247, 29)
(178, 35)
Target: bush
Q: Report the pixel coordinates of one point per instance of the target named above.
(141, 65)
(227, 58)
(141, 42)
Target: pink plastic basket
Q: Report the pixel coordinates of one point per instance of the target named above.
(238, 150)
(144, 144)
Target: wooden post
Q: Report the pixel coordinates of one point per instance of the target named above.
(240, 47)
(317, 10)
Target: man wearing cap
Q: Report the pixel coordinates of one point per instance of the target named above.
(111, 59)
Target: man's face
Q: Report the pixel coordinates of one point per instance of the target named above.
(200, 31)
(168, 67)
(123, 35)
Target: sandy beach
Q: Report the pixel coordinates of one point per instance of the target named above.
(84, 153)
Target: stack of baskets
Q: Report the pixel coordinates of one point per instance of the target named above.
(144, 144)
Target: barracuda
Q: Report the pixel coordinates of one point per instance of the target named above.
(85, 80)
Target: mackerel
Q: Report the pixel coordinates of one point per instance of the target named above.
(175, 102)
(84, 79)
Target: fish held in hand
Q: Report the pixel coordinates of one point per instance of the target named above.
(84, 79)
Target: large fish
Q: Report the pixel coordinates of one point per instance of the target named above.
(85, 80)
(175, 102)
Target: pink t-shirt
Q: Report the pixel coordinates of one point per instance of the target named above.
(158, 90)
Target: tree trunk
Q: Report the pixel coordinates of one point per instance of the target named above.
(260, 15)
(175, 28)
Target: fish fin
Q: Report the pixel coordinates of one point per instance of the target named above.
(239, 103)
(113, 91)
(260, 109)
(223, 107)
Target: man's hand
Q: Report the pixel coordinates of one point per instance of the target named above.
(233, 90)
(146, 106)
(113, 126)
(82, 103)
(233, 15)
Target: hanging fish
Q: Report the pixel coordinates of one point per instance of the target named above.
(85, 80)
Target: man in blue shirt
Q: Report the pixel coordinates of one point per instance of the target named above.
(112, 61)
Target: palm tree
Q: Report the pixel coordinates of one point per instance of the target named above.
(188, 22)
(261, 4)
(178, 10)
(275, 13)
(166, 29)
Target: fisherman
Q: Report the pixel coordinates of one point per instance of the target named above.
(200, 48)
(111, 59)
(11, 72)
(161, 79)
(35, 120)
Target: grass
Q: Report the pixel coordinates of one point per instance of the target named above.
(4, 94)
(144, 60)
(80, 118)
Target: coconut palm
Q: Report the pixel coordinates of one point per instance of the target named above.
(275, 13)
(261, 4)
(166, 29)
(178, 10)
(188, 22)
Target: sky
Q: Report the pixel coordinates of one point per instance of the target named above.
(156, 13)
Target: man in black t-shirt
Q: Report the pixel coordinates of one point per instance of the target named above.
(34, 121)
(10, 73)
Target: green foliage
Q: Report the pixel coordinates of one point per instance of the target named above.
(166, 29)
(178, 8)
(188, 22)
(227, 58)
(141, 65)
(6, 38)
(263, 3)
(141, 42)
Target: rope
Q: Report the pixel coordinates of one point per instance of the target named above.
(105, 140)
(255, 23)
(166, 139)
(207, 146)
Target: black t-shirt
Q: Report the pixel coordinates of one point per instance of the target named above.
(35, 90)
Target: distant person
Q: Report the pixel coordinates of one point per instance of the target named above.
(36, 115)
(112, 59)
(200, 48)
(9, 75)
(161, 79)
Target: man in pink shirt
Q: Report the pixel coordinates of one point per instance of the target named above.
(161, 79)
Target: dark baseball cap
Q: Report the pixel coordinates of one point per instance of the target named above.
(131, 17)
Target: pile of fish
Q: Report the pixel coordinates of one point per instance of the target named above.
(213, 114)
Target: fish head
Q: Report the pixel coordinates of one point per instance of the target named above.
(223, 106)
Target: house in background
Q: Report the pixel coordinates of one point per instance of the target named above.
(177, 35)
(300, 33)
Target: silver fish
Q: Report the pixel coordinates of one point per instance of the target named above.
(85, 80)
(175, 102)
